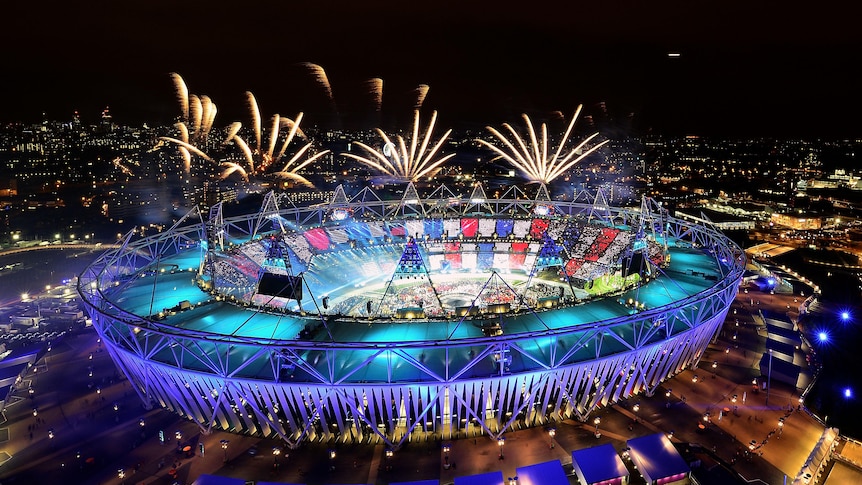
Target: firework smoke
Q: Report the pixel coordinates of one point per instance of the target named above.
(375, 88)
(421, 94)
(320, 76)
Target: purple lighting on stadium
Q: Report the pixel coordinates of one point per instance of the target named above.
(396, 271)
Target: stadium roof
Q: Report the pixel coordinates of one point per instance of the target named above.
(490, 478)
(547, 473)
(656, 457)
(599, 463)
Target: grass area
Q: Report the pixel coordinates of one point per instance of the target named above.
(610, 284)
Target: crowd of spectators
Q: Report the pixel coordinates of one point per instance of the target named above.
(355, 252)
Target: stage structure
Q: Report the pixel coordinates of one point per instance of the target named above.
(433, 317)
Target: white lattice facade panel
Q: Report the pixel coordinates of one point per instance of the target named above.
(452, 227)
(556, 229)
(337, 236)
(435, 262)
(501, 261)
(377, 229)
(469, 260)
(521, 228)
(415, 228)
(487, 227)
(384, 412)
(299, 245)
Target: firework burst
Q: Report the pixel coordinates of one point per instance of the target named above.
(197, 112)
(532, 159)
(197, 115)
(262, 156)
(396, 160)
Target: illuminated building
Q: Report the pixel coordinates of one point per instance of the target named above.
(437, 316)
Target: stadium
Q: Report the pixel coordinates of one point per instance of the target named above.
(423, 317)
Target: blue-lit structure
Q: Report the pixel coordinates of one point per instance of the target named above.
(420, 318)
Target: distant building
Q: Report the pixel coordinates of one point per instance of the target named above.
(211, 194)
(800, 221)
(8, 187)
(839, 178)
(721, 220)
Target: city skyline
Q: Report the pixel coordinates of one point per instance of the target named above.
(742, 70)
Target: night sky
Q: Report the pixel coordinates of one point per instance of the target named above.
(746, 68)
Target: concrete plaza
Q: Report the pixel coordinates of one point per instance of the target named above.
(103, 435)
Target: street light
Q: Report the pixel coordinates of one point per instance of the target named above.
(35, 412)
(597, 422)
(331, 460)
(50, 434)
(768, 379)
(121, 474)
(390, 453)
(500, 442)
(224, 448)
(275, 452)
(551, 433)
(141, 423)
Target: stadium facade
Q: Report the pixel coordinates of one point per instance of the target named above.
(433, 317)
